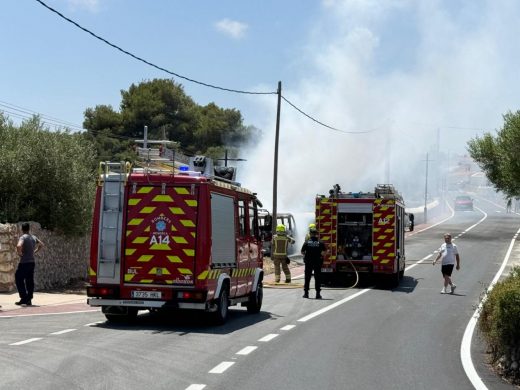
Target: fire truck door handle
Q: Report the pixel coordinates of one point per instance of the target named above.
(240, 251)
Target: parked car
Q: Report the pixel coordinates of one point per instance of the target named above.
(463, 202)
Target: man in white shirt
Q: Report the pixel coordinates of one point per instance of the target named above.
(450, 255)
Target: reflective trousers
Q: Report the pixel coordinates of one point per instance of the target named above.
(279, 260)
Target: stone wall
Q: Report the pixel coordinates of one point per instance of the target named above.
(62, 261)
(8, 257)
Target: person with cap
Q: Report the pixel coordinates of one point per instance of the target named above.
(279, 251)
(313, 251)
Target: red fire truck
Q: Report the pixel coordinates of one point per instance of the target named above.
(363, 232)
(174, 239)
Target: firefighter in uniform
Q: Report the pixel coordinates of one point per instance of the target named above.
(308, 235)
(280, 242)
(313, 251)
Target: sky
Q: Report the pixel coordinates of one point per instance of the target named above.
(400, 81)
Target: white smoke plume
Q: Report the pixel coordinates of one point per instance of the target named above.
(423, 77)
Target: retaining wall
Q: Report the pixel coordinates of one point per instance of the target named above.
(62, 261)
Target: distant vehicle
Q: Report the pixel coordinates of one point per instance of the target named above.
(463, 202)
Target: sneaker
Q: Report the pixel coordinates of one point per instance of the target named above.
(453, 287)
(318, 296)
(443, 291)
(305, 295)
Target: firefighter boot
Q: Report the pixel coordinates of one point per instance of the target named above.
(318, 295)
(305, 294)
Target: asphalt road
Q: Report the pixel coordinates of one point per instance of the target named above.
(362, 338)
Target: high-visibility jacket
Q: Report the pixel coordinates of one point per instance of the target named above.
(281, 244)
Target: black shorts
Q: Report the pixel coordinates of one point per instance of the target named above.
(447, 269)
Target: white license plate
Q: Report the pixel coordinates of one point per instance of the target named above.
(146, 294)
(326, 270)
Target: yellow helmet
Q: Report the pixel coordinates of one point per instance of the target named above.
(312, 226)
(280, 229)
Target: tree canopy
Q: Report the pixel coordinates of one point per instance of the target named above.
(499, 155)
(46, 176)
(170, 114)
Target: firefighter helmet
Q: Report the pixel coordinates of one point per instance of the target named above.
(280, 229)
(312, 226)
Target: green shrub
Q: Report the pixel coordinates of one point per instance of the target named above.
(500, 316)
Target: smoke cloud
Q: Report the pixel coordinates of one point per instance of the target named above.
(411, 77)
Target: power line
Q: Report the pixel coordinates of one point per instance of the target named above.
(323, 124)
(28, 111)
(148, 62)
(190, 79)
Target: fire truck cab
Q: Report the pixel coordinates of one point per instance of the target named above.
(181, 238)
(363, 232)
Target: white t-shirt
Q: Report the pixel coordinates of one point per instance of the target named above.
(448, 252)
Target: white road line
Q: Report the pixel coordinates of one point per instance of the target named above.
(195, 387)
(288, 327)
(465, 347)
(63, 331)
(94, 323)
(247, 350)
(269, 337)
(221, 367)
(330, 307)
(26, 341)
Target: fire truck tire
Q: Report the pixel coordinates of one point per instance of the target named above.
(220, 316)
(255, 300)
(129, 316)
(395, 278)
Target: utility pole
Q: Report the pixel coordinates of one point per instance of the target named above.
(426, 191)
(275, 174)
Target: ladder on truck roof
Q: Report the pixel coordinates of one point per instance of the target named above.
(112, 178)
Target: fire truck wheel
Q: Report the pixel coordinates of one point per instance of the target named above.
(255, 300)
(222, 306)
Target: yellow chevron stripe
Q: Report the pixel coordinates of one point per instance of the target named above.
(144, 190)
(147, 210)
(185, 271)
(133, 202)
(128, 277)
(129, 252)
(203, 275)
(181, 190)
(135, 221)
(174, 259)
(187, 223)
(162, 198)
(191, 202)
(179, 240)
(140, 240)
(189, 252)
(176, 210)
(145, 258)
(160, 247)
(91, 271)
